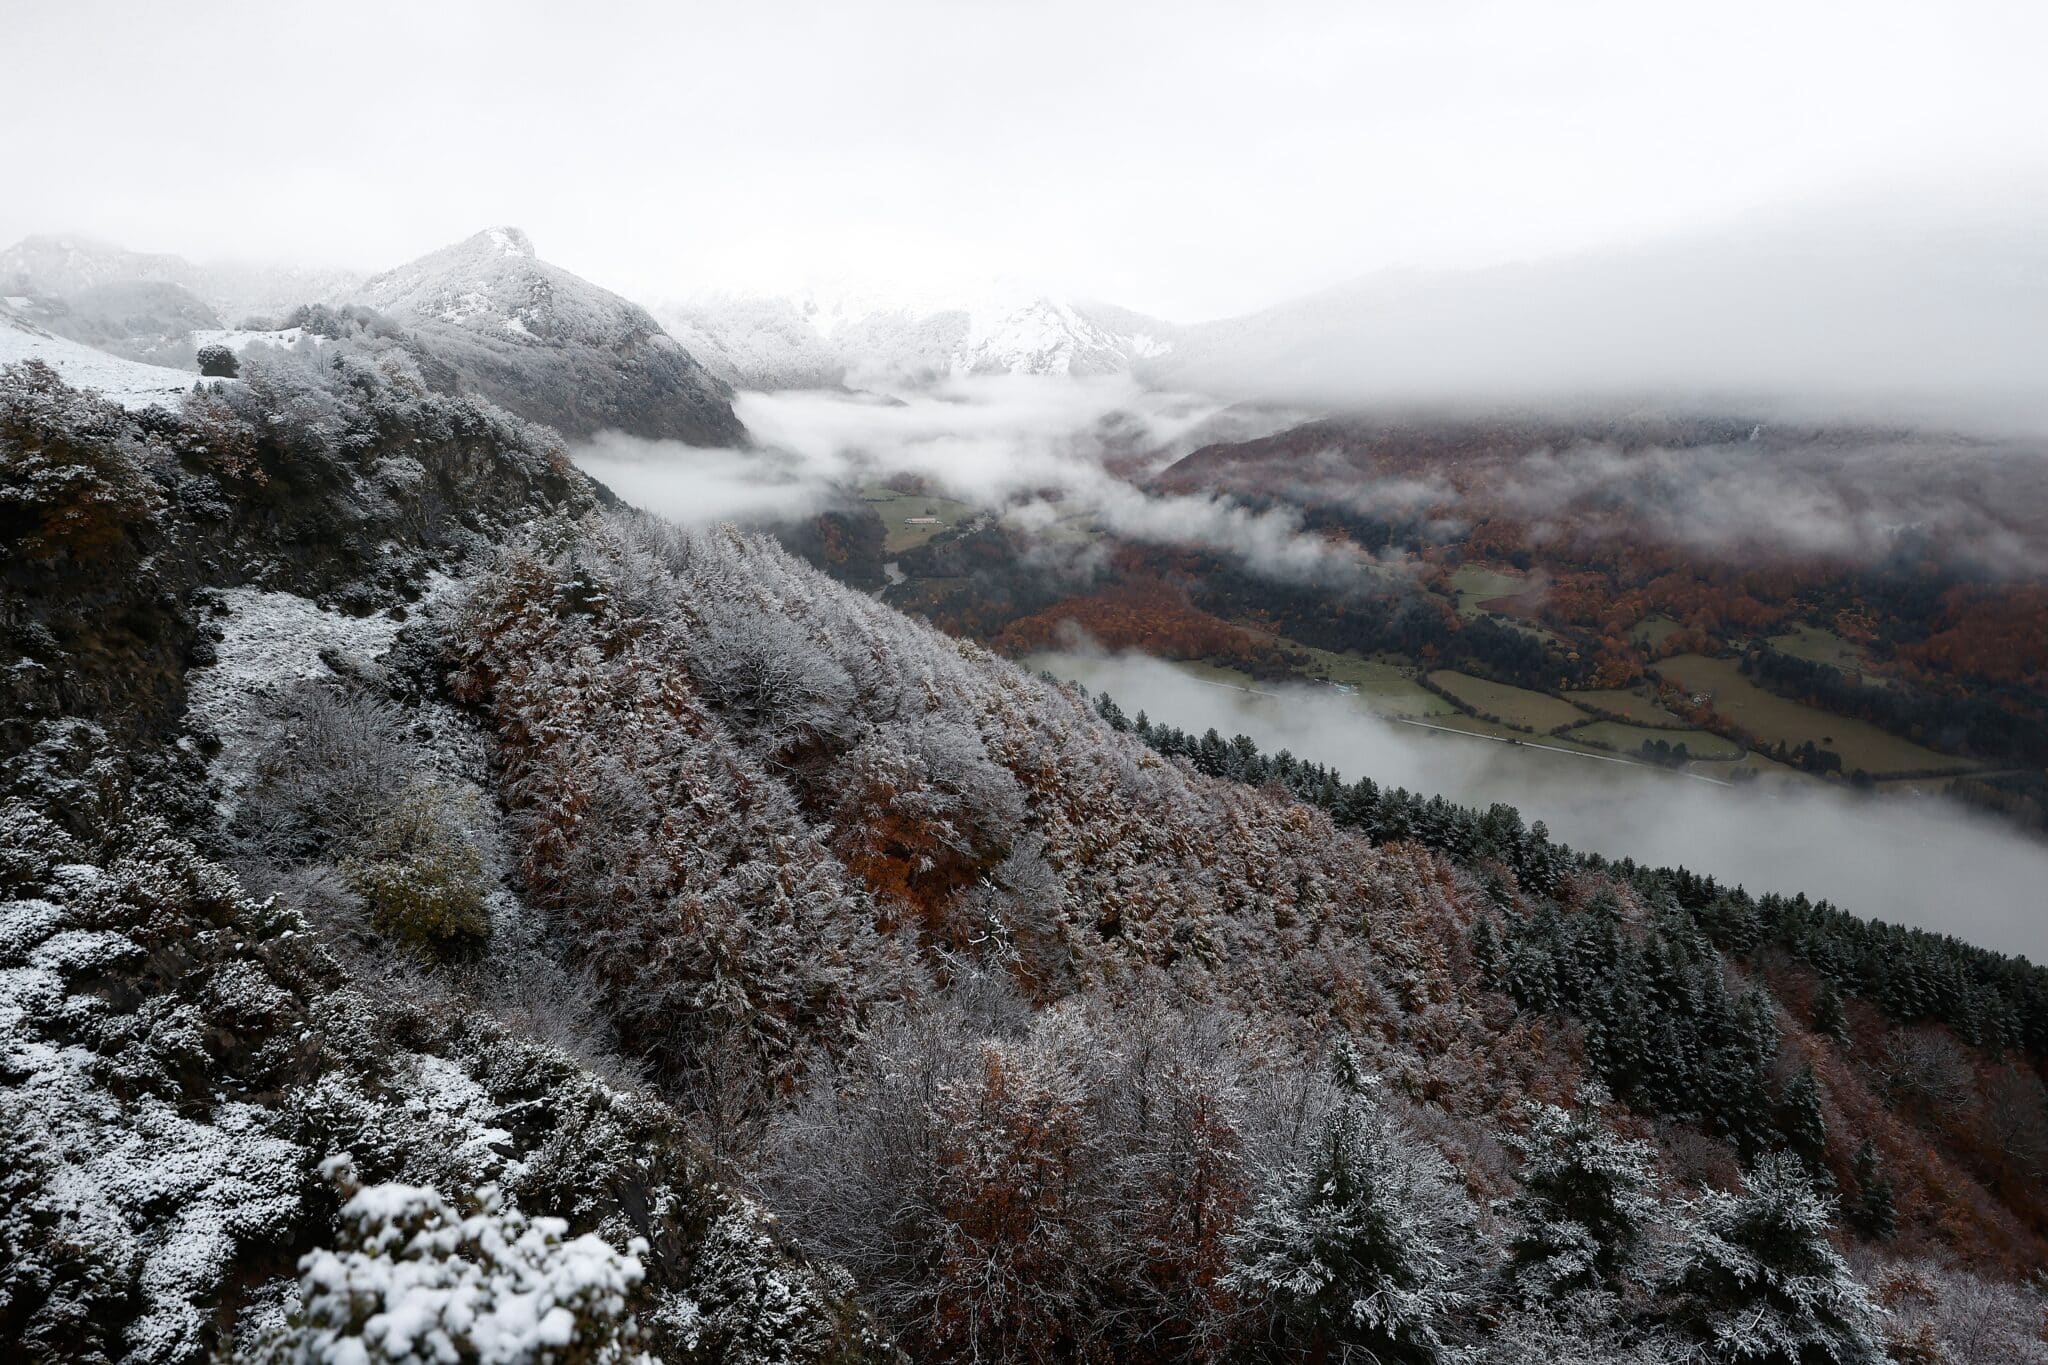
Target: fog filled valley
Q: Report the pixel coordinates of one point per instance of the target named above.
(1063, 472)
(1917, 862)
(987, 708)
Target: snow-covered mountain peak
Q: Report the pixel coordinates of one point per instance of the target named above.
(494, 281)
(510, 241)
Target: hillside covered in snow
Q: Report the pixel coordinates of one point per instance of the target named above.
(131, 383)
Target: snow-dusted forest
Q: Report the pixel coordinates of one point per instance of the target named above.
(1055, 684)
(448, 911)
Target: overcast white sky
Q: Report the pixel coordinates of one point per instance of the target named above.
(1190, 159)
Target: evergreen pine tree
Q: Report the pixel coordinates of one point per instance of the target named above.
(1804, 1129)
(1362, 1245)
(1585, 1198)
(1872, 1212)
(1756, 1281)
(1829, 1019)
(1486, 954)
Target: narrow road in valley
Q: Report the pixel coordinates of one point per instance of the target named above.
(1553, 749)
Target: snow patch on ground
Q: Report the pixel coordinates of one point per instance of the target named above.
(130, 383)
(269, 641)
(239, 339)
(444, 1092)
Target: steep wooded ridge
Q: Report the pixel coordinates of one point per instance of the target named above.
(405, 849)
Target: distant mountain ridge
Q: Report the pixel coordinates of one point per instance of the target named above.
(66, 266)
(1879, 310)
(820, 338)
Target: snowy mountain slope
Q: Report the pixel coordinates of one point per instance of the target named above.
(756, 342)
(551, 346)
(818, 337)
(147, 320)
(131, 383)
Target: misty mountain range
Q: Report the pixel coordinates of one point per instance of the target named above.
(820, 339)
(431, 882)
(1920, 314)
(1325, 684)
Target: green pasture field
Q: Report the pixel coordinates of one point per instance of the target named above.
(1771, 718)
(1627, 740)
(1636, 706)
(1514, 705)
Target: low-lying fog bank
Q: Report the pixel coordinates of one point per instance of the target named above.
(1918, 862)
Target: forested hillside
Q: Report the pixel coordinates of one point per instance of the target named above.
(407, 847)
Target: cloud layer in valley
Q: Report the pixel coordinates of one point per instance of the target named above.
(1855, 496)
(1918, 862)
(1037, 449)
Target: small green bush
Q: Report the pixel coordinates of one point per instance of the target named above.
(420, 875)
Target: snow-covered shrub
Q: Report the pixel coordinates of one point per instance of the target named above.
(31, 844)
(72, 473)
(774, 685)
(1010, 1185)
(297, 409)
(218, 362)
(922, 810)
(330, 761)
(414, 1280)
(1944, 1315)
(1542, 1337)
